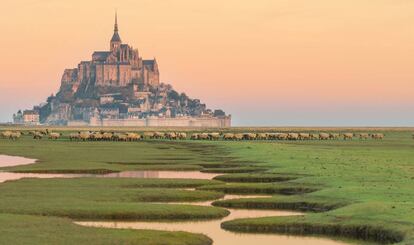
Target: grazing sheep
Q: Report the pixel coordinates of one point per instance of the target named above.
(15, 135)
(133, 136)
(324, 136)
(214, 136)
(348, 136)
(293, 136)
(74, 136)
(170, 136)
(314, 136)
(304, 136)
(149, 135)
(204, 136)
(378, 136)
(159, 135)
(333, 136)
(54, 136)
(85, 136)
(238, 136)
(262, 136)
(6, 134)
(182, 136)
(228, 136)
(249, 136)
(37, 136)
(107, 136)
(272, 136)
(363, 136)
(195, 136)
(282, 136)
(120, 137)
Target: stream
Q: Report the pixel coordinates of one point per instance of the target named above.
(209, 227)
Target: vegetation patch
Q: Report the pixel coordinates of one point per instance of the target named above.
(106, 198)
(296, 203)
(255, 177)
(38, 230)
(300, 226)
(260, 188)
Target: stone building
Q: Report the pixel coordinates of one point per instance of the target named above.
(121, 66)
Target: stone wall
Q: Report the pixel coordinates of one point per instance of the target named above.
(207, 122)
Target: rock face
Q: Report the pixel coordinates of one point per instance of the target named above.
(118, 87)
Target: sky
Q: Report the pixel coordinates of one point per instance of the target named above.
(265, 62)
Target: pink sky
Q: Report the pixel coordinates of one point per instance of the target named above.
(275, 62)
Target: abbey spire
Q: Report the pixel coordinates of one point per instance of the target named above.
(116, 39)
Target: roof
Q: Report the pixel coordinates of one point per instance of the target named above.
(100, 55)
(116, 37)
(149, 64)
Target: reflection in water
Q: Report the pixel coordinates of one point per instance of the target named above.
(162, 174)
(222, 237)
(210, 228)
(8, 161)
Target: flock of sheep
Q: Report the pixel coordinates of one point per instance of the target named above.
(113, 136)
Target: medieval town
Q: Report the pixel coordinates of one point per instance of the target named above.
(119, 88)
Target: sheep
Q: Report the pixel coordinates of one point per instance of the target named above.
(37, 135)
(228, 136)
(158, 135)
(195, 136)
(107, 136)
(323, 136)
(314, 136)
(120, 137)
(293, 136)
(333, 136)
(74, 136)
(182, 136)
(378, 136)
(54, 136)
(238, 136)
(204, 136)
(133, 136)
(6, 134)
(149, 135)
(214, 136)
(304, 136)
(15, 135)
(85, 136)
(170, 135)
(271, 136)
(249, 136)
(262, 136)
(363, 136)
(97, 136)
(282, 136)
(348, 136)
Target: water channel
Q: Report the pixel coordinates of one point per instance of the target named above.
(209, 227)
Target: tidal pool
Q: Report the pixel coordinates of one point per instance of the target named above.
(9, 161)
(162, 175)
(210, 227)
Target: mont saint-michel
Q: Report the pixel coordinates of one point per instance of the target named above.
(119, 88)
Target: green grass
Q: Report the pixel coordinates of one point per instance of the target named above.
(103, 198)
(37, 230)
(371, 183)
(357, 189)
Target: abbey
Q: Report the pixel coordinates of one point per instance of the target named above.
(118, 88)
(119, 67)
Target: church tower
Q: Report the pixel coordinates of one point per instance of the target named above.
(116, 39)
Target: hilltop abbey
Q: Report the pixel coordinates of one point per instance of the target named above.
(119, 88)
(118, 67)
